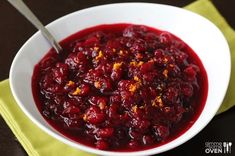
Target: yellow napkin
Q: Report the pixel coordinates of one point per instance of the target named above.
(35, 141)
(38, 143)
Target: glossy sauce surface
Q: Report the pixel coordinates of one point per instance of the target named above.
(121, 87)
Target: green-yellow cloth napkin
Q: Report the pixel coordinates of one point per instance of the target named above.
(38, 143)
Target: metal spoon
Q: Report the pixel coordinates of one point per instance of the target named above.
(24, 10)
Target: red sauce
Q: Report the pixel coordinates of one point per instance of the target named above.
(121, 87)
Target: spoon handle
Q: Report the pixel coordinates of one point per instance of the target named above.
(24, 10)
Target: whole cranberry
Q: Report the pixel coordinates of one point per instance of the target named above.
(165, 38)
(91, 41)
(105, 84)
(159, 53)
(139, 46)
(85, 89)
(93, 115)
(105, 67)
(60, 73)
(190, 73)
(77, 61)
(128, 99)
(92, 76)
(105, 132)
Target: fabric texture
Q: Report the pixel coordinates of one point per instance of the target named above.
(37, 143)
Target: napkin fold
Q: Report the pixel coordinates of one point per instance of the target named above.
(37, 143)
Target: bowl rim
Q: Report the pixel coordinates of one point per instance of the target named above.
(114, 153)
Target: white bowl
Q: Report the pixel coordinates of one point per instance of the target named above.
(199, 33)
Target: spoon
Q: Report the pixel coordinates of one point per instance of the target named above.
(24, 10)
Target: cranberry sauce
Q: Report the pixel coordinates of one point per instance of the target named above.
(121, 87)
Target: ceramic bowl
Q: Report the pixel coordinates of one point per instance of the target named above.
(199, 33)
